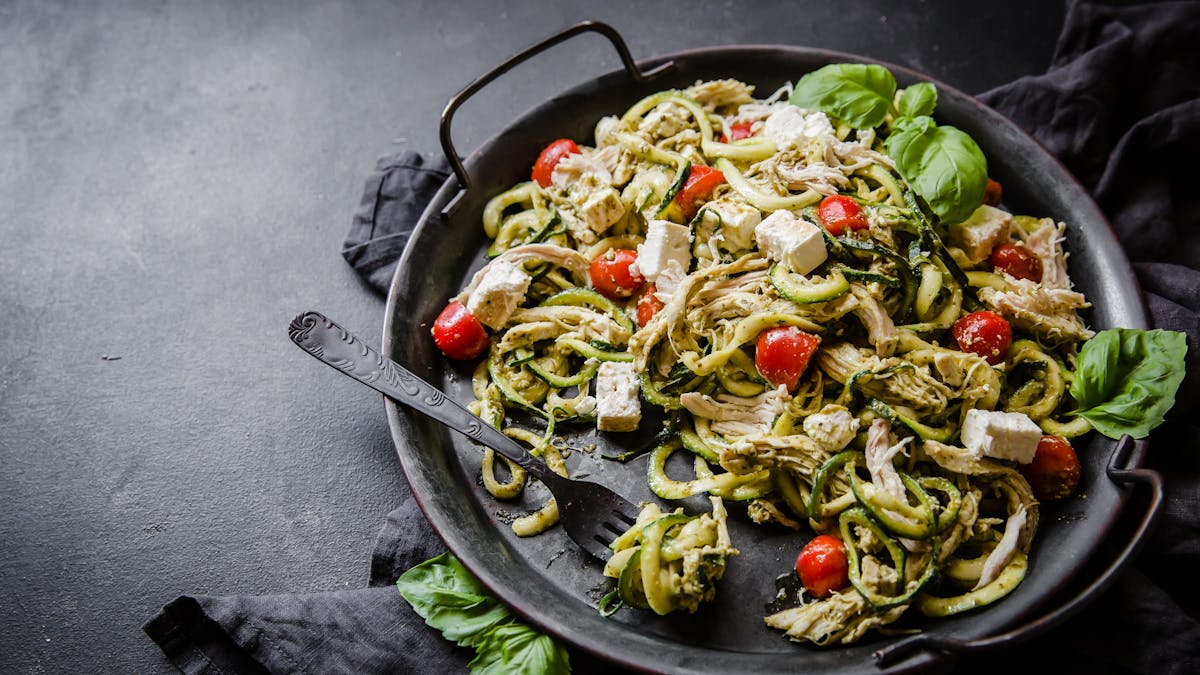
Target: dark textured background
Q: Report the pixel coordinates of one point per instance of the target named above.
(176, 179)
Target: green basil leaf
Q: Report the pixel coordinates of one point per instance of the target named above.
(1096, 376)
(943, 165)
(858, 94)
(517, 649)
(1126, 379)
(919, 99)
(452, 600)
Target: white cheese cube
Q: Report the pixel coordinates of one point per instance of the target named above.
(601, 208)
(793, 241)
(617, 405)
(791, 125)
(735, 221)
(500, 291)
(979, 234)
(833, 428)
(665, 241)
(1002, 435)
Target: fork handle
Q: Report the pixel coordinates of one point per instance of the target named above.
(328, 342)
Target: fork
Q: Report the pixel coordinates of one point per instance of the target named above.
(592, 514)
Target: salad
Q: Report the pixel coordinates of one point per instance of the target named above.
(844, 328)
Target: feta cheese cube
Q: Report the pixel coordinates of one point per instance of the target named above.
(735, 221)
(665, 242)
(791, 125)
(793, 241)
(1002, 435)
(979, 234)
(500, 290)
(601, 208)
(833, 428)
(617, 405)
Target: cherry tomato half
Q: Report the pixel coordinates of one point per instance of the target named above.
(739, 131)
(782, 354)
(1054, 471)
(647, 306)
(543, 168)
(823, 566)
(458, 333)
(1016, 261)
(992, 193)
(839, 213)
(985, 334)
(700, 183)
(612, 276)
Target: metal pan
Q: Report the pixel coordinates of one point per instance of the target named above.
(554, 585)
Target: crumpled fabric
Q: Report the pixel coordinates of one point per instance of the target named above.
(1120, 107)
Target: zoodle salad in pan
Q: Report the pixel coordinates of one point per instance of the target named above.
(846, 332)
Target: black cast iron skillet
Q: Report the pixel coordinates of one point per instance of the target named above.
(552, 583)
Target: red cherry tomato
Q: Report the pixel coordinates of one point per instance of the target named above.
(985, 334)
(1016, 261)
(648, 305)
(458, 333)
(739, 131)
(612, 276)
(700, 183)
(839, 213)
(782, 354)
(1054, 471)
(992, 193)
(823, 566)
(544, 166)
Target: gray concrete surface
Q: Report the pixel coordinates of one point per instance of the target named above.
(175, 181)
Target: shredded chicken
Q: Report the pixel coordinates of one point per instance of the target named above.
(842, 617)
(576, 322)
(796, 453)
(766, 511)
(665, 121)
(961, 460)
(737, 416)
(1046, 244)
(1048, 313)
(881, 331)
(1003, 553)
(720, 93)
(575, 167)
(889, 379)
(570, 259)
(669, 322)
(882, 448)
(819, 177)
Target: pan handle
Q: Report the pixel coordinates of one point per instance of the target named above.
(1117, 472)
(636, 73)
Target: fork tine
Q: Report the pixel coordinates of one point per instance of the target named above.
(625, 517)
(616, 528)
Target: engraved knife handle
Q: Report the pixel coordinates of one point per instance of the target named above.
(335, 346)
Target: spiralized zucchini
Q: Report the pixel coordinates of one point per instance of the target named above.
(670, 562)
(865, 446)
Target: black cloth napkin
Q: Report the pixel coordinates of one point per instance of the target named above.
(1120, 107)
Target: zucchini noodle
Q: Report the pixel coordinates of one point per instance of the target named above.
(866, 445)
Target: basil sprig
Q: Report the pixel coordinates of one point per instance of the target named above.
(1125, 379)
(452, 600)
(858, 94)
(919, 99)
(944, 166)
